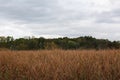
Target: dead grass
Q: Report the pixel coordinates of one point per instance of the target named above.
(60, 65)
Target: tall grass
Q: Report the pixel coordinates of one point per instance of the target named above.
(60, 65)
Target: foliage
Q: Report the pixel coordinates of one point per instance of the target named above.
(86, 42)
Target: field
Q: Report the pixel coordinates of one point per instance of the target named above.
(60, 65)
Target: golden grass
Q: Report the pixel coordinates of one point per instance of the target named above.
(60, 65)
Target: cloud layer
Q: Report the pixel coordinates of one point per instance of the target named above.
(55, 18)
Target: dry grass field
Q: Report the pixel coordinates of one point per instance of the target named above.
(60, 65)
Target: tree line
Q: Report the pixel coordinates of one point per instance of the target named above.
(32, 43)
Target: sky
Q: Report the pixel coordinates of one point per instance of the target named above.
(60, 18)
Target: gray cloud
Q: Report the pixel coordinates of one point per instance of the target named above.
(72, 18)
(29, 10)
(40, 11)
(109, 17)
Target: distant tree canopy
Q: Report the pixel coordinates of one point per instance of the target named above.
(66, 43)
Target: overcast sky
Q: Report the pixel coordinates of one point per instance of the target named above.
(58, 18)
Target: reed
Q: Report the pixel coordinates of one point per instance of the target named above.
(60, 65)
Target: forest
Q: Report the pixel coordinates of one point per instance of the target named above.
(65, 43)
